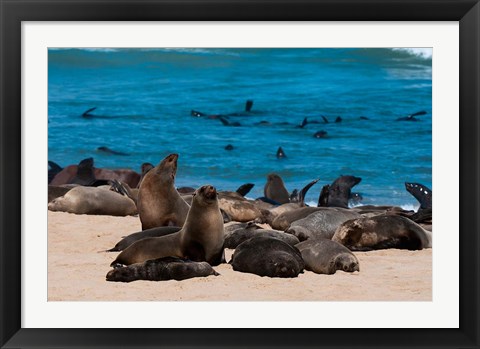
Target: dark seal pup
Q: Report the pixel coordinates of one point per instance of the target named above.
(200, 239)
(266, 256)
(323, 256)
(381, 232)
(159, 203)
(160, 269)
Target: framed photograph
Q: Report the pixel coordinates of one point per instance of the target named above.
(310, 91)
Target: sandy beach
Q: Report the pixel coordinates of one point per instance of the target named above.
(74, 242)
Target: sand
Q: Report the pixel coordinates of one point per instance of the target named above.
(76, 272)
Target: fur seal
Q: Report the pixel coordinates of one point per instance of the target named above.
(338, 192)
(323, 256)
(266, 256)
(283, 220)
(411, 117)
(244, 189)
(53, 170)
(280, 153)
(321, 224)
(236, 237)
(200, 239)
(421, 193)
(159, 203)
(320, 134)
(382, 232)
(91, 200)
(238, 208)
(275, 189)
(160, 269)
(149, 233)
(107, 150)
(55, 191)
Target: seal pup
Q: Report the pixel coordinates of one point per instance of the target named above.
(160, 269)
(266, 256)
(159, 203)
(382, 232)
(275, 189)
(92, 200)
(200, 239)
(412, 117)
(323, 256)
(149, 233)
(321, 224)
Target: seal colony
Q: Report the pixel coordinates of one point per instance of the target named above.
(185, 231)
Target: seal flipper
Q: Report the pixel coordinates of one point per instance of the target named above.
(248, 105)
(245, 189)
(303, 192)
(87, 113)
(420, 192)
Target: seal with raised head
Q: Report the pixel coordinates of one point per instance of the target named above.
(200, 239)
(323, 256)
(167, 268)
(381, 232)
(338, 192)
(92, 200)
(421, 193)
(159, 203)
(267, 256)
(275, 189)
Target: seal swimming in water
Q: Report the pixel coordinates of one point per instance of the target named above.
(280, 153)
(107, 150)
(382, 232)
(200, 239)
(266, 256)
(411, 117)
(158, 202)
(160, 269)
(324, 256)
(92, 200)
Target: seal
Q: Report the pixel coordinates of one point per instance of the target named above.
(158, 202)
(149, 233)
(321, 224)
(280, 153)
(266, 256)
(236, 237)
(412, 117)
(323, 256)
(107, 150)
(421, 193)
(53, 170)
(160, 269)
(275, 189)
(200, 239)
(382, 232)
(338, 192)
(92, 200)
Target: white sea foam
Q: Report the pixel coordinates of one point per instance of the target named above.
(425, 52)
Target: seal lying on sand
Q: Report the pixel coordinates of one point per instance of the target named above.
(266, 256)
(236, 237)
(381, 232)
(323, 256)
(159, 203)
(91, 200)
(200, 239)
(166, 268)
(321, 224)
(149, 233)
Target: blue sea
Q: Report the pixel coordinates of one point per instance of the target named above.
(144, 98)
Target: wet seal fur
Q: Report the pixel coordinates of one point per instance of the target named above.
(200, 239)
(159, 203)
(266, 256)
(160, 269)
(323, 256)
(382, 232)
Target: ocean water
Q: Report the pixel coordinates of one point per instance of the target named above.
(144, 98)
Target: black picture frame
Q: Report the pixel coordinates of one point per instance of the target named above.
(13, 12)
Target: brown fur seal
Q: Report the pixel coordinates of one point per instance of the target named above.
(159, 203)
(200, 239)
(267, 256)
(381, 232)
(323, 256)
(92, 200)
(160, 269)
(275, 189)
(149, 233)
